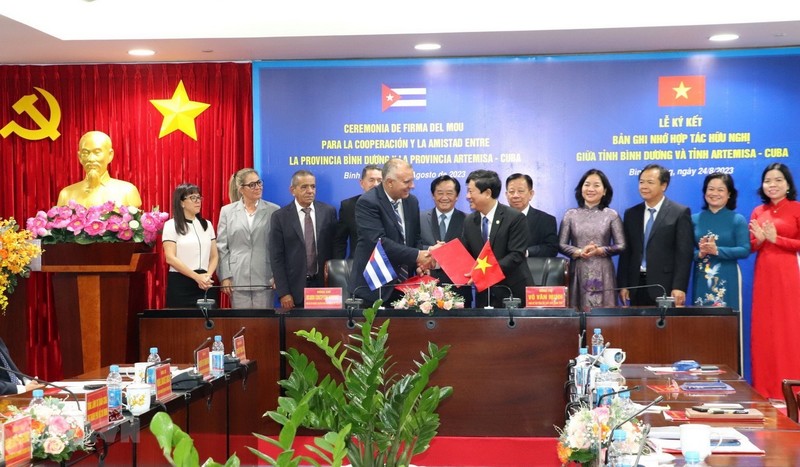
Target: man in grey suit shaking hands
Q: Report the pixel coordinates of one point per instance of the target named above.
(389, 213)
(660, 244)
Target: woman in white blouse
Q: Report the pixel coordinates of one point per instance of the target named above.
(190, 249)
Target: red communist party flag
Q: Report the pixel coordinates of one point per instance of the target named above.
(486, 271)
(676, 91)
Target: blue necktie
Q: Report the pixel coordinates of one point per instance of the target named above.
(485, 229)
(396, 206)
(647, 229)
(14, 379)
(442, 226)
(402, 271)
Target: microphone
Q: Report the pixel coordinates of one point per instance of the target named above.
(205, 303)
(663, 302)
(605, 443)
(162, 362)
(509, 302)
(46, 383)
(197, 349)
(358, 301)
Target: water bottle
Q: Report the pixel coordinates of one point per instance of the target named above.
(692, 458)
(598, 342)
(38, 398)
(604, 384)
(114, 385)
(617, 452)
(217, 357)
(151, 371)
(581, 370)
(626, 404)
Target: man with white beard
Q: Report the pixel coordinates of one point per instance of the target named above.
(95, 153)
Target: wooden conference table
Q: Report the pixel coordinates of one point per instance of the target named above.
(777, 435)
(120, 442)
(507, 367)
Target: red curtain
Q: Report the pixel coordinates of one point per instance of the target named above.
(115, 99)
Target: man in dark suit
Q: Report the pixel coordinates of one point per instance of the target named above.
(9, 382)
(302, 229)
(377, 218)
(660, 243)
(444, 219)
(542, 230)
(346, 231)
(507, 235)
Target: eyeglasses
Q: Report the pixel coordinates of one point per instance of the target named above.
(254, 185)
(194, 198)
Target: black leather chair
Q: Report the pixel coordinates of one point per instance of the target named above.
(337, 274)
(549, 271)
(792, 398)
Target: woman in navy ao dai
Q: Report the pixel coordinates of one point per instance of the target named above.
(721, 239)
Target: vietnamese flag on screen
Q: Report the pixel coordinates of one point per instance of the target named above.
(486, 271)
(674, 91)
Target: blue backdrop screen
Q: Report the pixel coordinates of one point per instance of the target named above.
(550, 117)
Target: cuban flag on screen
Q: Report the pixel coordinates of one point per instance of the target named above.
(379, 270)
(403, 97)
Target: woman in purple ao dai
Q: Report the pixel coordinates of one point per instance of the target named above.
(590, 235)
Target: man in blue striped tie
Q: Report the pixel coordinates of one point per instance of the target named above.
(660, 244)
(389, 212)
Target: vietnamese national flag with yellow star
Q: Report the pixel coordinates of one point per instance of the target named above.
(486, 271)
(675, 91)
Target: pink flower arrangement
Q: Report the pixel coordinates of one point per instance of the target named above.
(429, 296)
(105, 223)
(55, 433)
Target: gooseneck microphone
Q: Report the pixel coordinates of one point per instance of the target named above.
(605, 443)
(46, 383)
(205, 303)
(663, 302)
(197, 349)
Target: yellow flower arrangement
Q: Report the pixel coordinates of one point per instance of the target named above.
(16, 253)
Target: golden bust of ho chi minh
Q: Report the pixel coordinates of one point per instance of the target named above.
(97, 187)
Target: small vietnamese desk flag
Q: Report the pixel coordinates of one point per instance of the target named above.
(486, 271)
(676, 91)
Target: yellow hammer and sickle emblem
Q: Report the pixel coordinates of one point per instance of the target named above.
(47, 128)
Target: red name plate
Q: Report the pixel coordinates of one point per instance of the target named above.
(17, 441)
(163, 382)
(323, 297)
(204, 361)
(546, 297)
(238, 348)
(97, 408)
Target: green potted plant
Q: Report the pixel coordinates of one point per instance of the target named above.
(392, 417)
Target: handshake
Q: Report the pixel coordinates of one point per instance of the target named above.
(425, 261)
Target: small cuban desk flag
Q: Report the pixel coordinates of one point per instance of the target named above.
(486, 271)
(379, 270)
